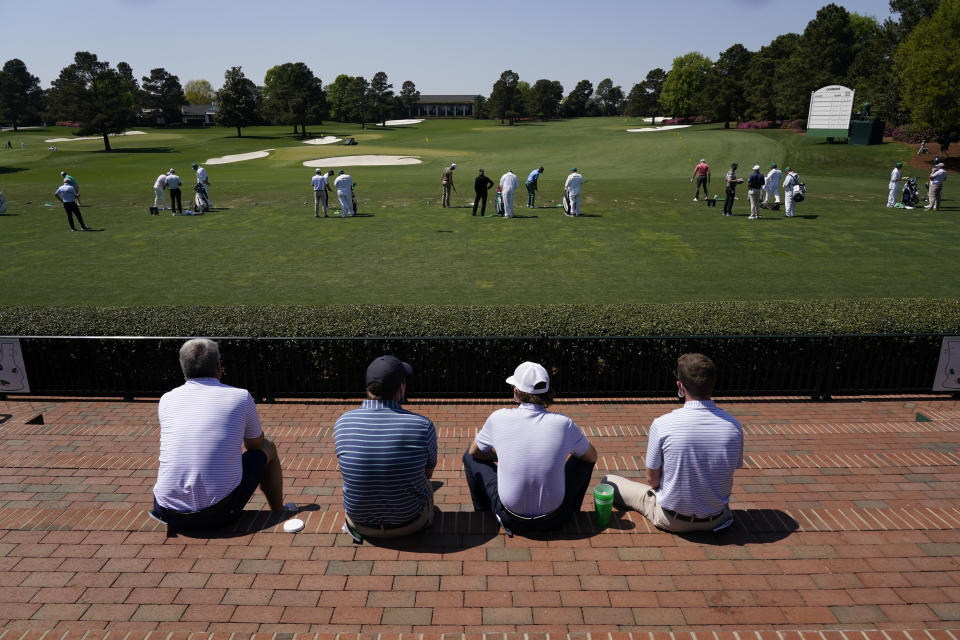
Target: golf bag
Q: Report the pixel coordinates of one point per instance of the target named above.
(201, 201)
(353, 197)
(3, 204)
(567, 206)
(712, 202)
(799, 191)
(911, 193)
(154, 211)
(500, 210)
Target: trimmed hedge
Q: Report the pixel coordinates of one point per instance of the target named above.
(794, 317)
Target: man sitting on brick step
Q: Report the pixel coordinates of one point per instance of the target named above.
(204, 480)
(387, 456)
(692, 454)
(530, 466)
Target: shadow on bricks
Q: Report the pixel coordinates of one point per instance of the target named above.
(751, 526)
(250, 522)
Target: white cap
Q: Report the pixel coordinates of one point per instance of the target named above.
(756, 167)
(453, 166)
(171, 170)
(703, 159)
(319, 170)
(530, 377)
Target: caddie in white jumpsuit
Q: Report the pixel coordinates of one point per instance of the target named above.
(771, 188)
(789, 182)
(203, 181)
(508, 185)
(344, 186)
(571, 189)
(896, 184)
(158, 188)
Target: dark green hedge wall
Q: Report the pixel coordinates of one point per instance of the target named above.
(705, 318)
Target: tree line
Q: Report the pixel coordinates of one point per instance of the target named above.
(104, 100)
(907, 68)
(902, 67)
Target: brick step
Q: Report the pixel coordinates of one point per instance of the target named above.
(116, 460)
(767, 488)
(315, 433)
(467, 522)
(27, 630)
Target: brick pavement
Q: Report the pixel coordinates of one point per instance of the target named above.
(847, 529)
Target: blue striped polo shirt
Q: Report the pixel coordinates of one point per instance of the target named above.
(698, 447)
(384, 451)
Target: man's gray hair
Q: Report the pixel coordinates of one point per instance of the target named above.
(199, 358)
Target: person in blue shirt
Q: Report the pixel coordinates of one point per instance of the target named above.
(387, 455)
(532, 186)
(67, 194)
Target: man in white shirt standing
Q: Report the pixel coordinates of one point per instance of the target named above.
(67, 194)
(571, 191)
(771, 188)
(344, 187)
(204, 480)
(937, 177)
(895, 185)
(176, 196)
(692, 454)
(320, 191)
(159, 198)
(530, 466)
(508, 187)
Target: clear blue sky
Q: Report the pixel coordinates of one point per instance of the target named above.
(444, 47)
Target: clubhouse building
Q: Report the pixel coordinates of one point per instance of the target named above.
(444, 106)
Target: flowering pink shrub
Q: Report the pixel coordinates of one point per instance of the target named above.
(907, 133)
(758, 124)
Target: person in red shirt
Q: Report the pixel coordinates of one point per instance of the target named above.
(702, 173)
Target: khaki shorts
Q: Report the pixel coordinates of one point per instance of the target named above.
(643, 498)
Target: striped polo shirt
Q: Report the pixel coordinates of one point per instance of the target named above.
(384, 452)
(532, 446)
(698, 447)
(202, 427)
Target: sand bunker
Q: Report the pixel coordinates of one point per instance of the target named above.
(396, 123)
(362, 161)
(112, 135)
(323, 140)
(671, 126)
(240, 157)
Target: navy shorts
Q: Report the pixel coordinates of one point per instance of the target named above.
(230, 508)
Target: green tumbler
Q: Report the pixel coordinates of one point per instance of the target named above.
(603, 503)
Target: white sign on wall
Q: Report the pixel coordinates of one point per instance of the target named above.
(830, 111)
(947, 377)
(13, 375)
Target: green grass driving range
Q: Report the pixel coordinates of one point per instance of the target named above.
(641, 238)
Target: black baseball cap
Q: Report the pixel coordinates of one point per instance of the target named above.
(389, 371)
